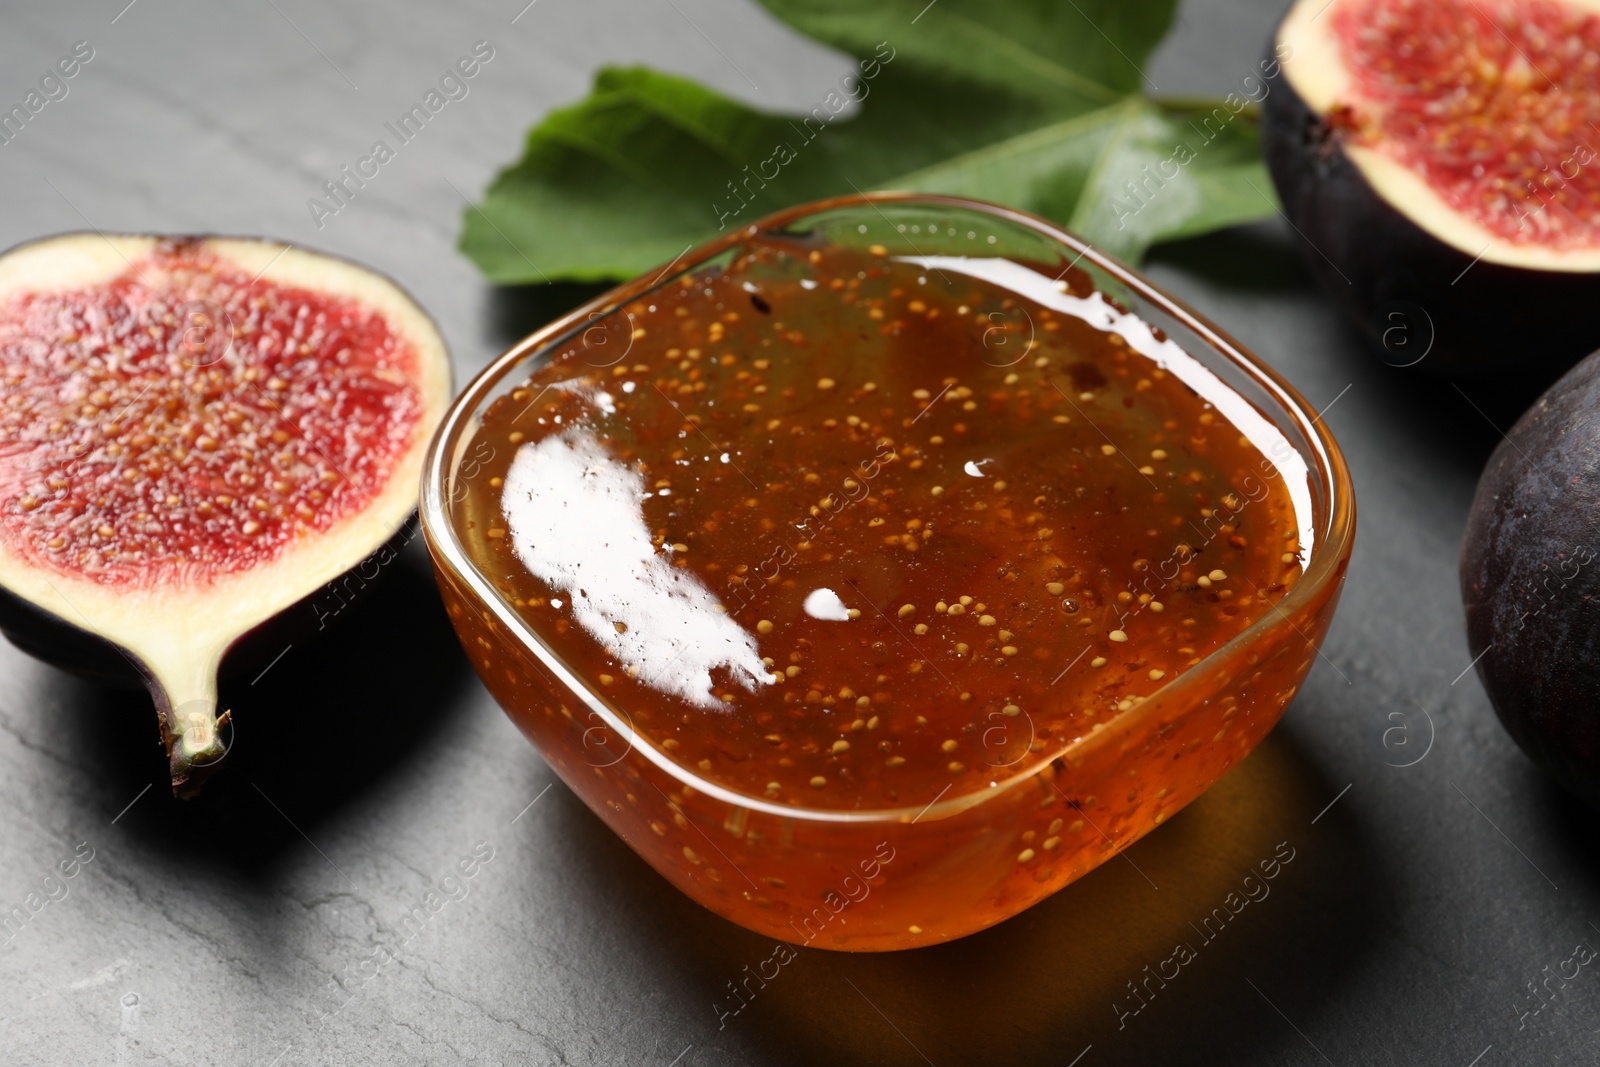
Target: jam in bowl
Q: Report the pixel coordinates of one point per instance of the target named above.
(879, 569)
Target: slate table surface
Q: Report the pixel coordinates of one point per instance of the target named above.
(1419, 908)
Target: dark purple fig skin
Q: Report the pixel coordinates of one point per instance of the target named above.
(1369, 258)
(1530, 580)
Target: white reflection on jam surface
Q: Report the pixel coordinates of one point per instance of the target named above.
(576, 519)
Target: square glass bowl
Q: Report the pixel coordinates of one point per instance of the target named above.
(872, 879)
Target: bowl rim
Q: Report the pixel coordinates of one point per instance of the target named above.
(1329, 557)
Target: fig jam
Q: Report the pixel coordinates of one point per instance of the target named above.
(867, 537)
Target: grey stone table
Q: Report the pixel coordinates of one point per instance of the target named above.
(1423, 919)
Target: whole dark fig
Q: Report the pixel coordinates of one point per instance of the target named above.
(1531, 584)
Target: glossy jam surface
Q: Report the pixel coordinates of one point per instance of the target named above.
(1492, 102)
(847, 531)
(185, 421)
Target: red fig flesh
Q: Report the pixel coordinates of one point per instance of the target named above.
(1443, 155)
(195, 435)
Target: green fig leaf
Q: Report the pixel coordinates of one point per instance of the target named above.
(1036, 104)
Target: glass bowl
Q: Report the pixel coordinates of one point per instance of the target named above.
(891, 878)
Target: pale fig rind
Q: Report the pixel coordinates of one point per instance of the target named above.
(53, 640)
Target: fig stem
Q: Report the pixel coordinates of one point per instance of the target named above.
(191, 729)
(194, 745)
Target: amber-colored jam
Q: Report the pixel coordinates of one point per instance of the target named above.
(872, 547)
(844, 531)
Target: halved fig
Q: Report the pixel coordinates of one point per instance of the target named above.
(196, 434)
(1440, 159)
